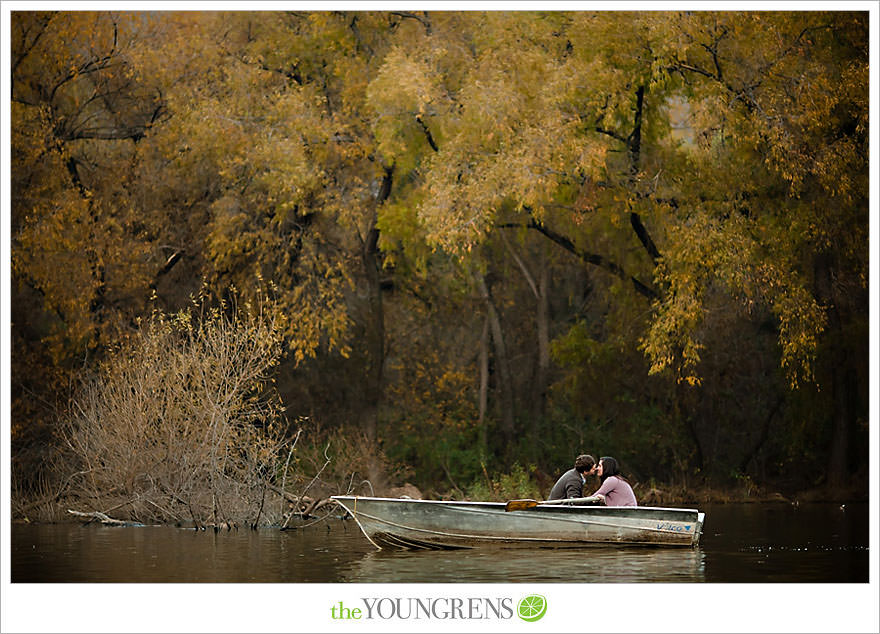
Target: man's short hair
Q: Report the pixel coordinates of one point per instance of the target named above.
(584, 462)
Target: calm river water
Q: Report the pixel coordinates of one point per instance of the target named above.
(750, 543)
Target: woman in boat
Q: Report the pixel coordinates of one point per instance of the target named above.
(615, 490)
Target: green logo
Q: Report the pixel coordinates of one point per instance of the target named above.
(532, 608)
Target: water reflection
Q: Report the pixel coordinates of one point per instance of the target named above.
(495, 565)
(741, 543)
(150, 554)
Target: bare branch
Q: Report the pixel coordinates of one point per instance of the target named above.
(521, 264)
(408, 15)
(590, 258)
(428, 134)
(635, 221)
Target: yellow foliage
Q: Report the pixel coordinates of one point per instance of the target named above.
(276, 144)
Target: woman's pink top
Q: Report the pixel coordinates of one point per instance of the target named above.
(617, 492)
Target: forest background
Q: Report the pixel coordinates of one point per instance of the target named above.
(264, 256)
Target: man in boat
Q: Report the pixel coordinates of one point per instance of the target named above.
(571, 483)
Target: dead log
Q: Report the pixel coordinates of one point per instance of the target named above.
(315, 505)
(101, 517)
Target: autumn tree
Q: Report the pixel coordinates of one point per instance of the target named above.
(82, 260)
(587, 158)
(604, 218)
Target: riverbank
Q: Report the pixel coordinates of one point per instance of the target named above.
(678, 496)
(647, 495)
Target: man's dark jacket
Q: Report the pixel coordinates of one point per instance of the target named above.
(570, 485)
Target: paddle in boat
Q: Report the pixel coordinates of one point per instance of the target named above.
(441, 524)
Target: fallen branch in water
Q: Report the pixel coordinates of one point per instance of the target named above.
(314, 506)
(321, 504)
(98, 515)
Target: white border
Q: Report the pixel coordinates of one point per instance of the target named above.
(305, 607)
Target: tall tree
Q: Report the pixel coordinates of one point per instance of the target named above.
(374, 166)
(82, 260)
(774, 172)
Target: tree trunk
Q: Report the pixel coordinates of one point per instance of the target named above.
(505, 383)
(375, 329)
(542, 372)
(96, 265)
(542, 321)
(842, 384)
(841, 416)
(683, 411)
(375, 332)
(484, 386)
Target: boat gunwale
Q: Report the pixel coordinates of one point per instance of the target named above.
(541, 505)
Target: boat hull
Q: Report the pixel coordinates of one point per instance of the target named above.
(432, 524)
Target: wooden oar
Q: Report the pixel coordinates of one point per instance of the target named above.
(522, 505)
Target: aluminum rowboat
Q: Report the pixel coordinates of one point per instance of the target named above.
(433, 524)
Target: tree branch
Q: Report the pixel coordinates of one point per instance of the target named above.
(91, 66)
(134, 133)
(413, 16)
(428, 134)
(522, 266)
(634, 140)
(292, 73)
(611, 133)
(42, 28)
(644, 237)
(166, 268)
(590, 258)
(601, 130)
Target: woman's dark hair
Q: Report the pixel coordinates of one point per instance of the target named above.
(610, 468)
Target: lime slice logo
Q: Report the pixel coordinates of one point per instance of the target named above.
(532, 608)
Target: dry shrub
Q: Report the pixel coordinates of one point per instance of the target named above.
(181, 423)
